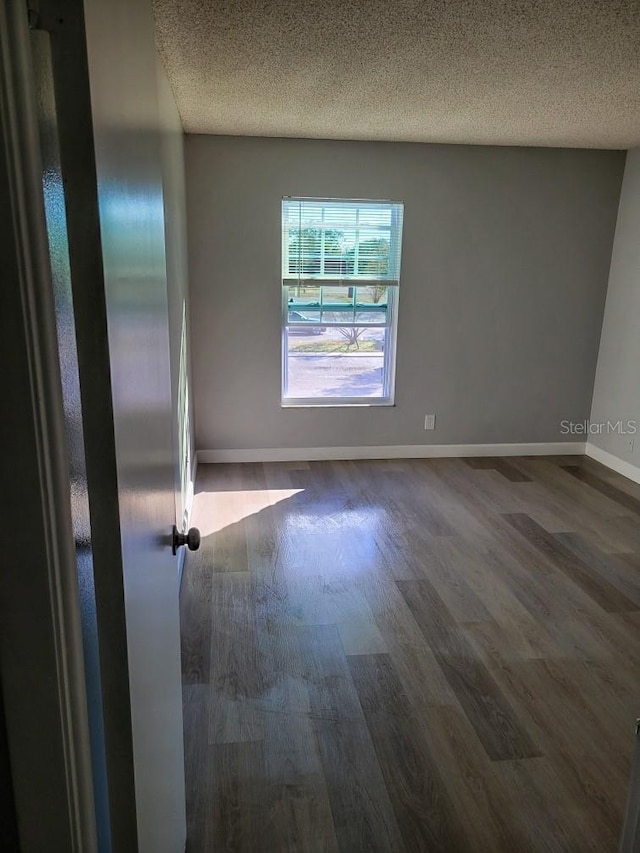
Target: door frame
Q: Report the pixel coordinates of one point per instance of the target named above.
(41, 659)
(64, 21)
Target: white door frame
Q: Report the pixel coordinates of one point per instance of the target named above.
(41, 645)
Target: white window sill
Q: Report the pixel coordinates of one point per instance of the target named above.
(332, 404)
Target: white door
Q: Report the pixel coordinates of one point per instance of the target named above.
(124, 104)
(104, 66)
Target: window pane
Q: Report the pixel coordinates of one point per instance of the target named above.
(338, 304)
(341, 216)
(338, 296)
(376, 215)
(336, 363)
(371, 304)
(373, 254)
(337, 261)
(300, 296)
(373, 315)
(304, 251)
(303, 317)
(340, 270)
(372, 294)
(341, 239)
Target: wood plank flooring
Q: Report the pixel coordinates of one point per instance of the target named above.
(411, 655)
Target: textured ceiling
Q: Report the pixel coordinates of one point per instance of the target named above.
(507, 72)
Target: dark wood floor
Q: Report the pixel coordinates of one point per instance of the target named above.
(411, 656)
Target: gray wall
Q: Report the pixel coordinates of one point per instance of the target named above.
(617, 387)
(504, 271)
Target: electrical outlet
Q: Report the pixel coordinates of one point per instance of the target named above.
(429, 421)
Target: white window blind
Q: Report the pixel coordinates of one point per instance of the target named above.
(331, 242)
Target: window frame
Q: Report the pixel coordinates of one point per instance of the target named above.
(390, 327)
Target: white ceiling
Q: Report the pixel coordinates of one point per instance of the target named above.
(505, 72)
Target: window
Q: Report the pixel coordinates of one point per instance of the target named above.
(340, 277)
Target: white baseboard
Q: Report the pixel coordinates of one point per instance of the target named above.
(632, 472)
(399, 451)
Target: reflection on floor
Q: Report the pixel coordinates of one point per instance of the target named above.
(411, 655)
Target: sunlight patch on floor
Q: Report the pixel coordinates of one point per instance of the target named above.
(213, 511)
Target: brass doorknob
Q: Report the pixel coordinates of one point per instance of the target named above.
(191, 539)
